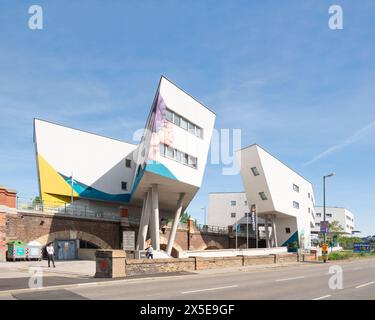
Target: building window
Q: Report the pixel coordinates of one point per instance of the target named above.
(287, 230)
(169, 115)
(124, 185)
(233, 215)
(317, 224)
(295, 205)
(319, 215)
(179, 156)
(128, 163)
(184, 123)
(263, 196)
(255, 171)
(308, 195)
(245, 202)
(233, 203)
(329, 215)
(295, 188)
(309, 210)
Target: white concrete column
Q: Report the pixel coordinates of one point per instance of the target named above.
(176, 220)
(155, 217)
(274, 230)
(143, 224)
(267, 231)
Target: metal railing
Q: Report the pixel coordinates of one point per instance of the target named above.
(75, 210)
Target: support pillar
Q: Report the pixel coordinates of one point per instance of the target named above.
(172, 234)
(155, 217)
(274, 230)
(267, 231)
(143, 225)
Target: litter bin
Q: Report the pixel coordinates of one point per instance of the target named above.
(16, 250)
(34, 251)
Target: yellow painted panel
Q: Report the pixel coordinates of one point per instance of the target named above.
(51, 183)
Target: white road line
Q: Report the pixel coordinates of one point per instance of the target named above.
(287, 279)
(210, 289)
(358, 268)
(323, 297)
(365, 284)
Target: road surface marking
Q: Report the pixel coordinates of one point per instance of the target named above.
(365, 284)
(287, 279)
(88, 284)
(210, 289)
(323, 297)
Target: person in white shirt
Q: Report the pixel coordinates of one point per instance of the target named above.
(51, 253)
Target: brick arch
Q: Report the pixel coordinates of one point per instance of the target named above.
(212, 244)
(73, 235)
(176, 248)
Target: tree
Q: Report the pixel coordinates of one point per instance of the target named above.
(185, 217)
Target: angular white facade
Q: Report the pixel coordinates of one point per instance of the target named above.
(342, 215)
(282, 197)
(156, 178)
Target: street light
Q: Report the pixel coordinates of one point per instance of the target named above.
(324, 200)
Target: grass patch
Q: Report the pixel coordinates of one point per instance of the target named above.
(342, 255)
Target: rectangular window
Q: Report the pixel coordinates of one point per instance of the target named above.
(191, 128)
(233, 215)
(170, 152)
(317, 224)
(184, 124)
(199, 132)
(245, 203)
(308, 195)
(308, 210)
(124, 185)
(185, 159)
(128, 163)
(176, 119)
(329, 215)
(178, 156)
(233, 203)
(192, 161)
(318, 214)
(263, 196)
(169, 115)
(255, 171)
(295, 205)
(162, 149)
(287, 230)
(295, 188)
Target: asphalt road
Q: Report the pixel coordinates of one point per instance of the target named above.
(303, 281)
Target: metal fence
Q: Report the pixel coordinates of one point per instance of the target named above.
(24, 203)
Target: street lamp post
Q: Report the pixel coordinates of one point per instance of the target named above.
(324, 201)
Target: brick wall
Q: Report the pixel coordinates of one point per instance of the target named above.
(31, 226)
(154, 266)
(8, 197)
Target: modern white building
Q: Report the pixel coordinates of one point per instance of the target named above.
(283, 198)
(154, 179)
(232, 209)
(342, 215)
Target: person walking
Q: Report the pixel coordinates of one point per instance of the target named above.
(51, 253)
(150, 252)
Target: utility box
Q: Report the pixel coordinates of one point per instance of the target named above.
(16, 250)
(110, 263)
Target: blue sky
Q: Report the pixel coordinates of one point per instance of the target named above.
(272, 68)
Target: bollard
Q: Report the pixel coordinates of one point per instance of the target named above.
(110, 263)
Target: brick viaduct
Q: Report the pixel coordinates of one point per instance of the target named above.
(44, 227)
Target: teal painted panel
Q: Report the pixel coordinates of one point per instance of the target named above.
(159, 169)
